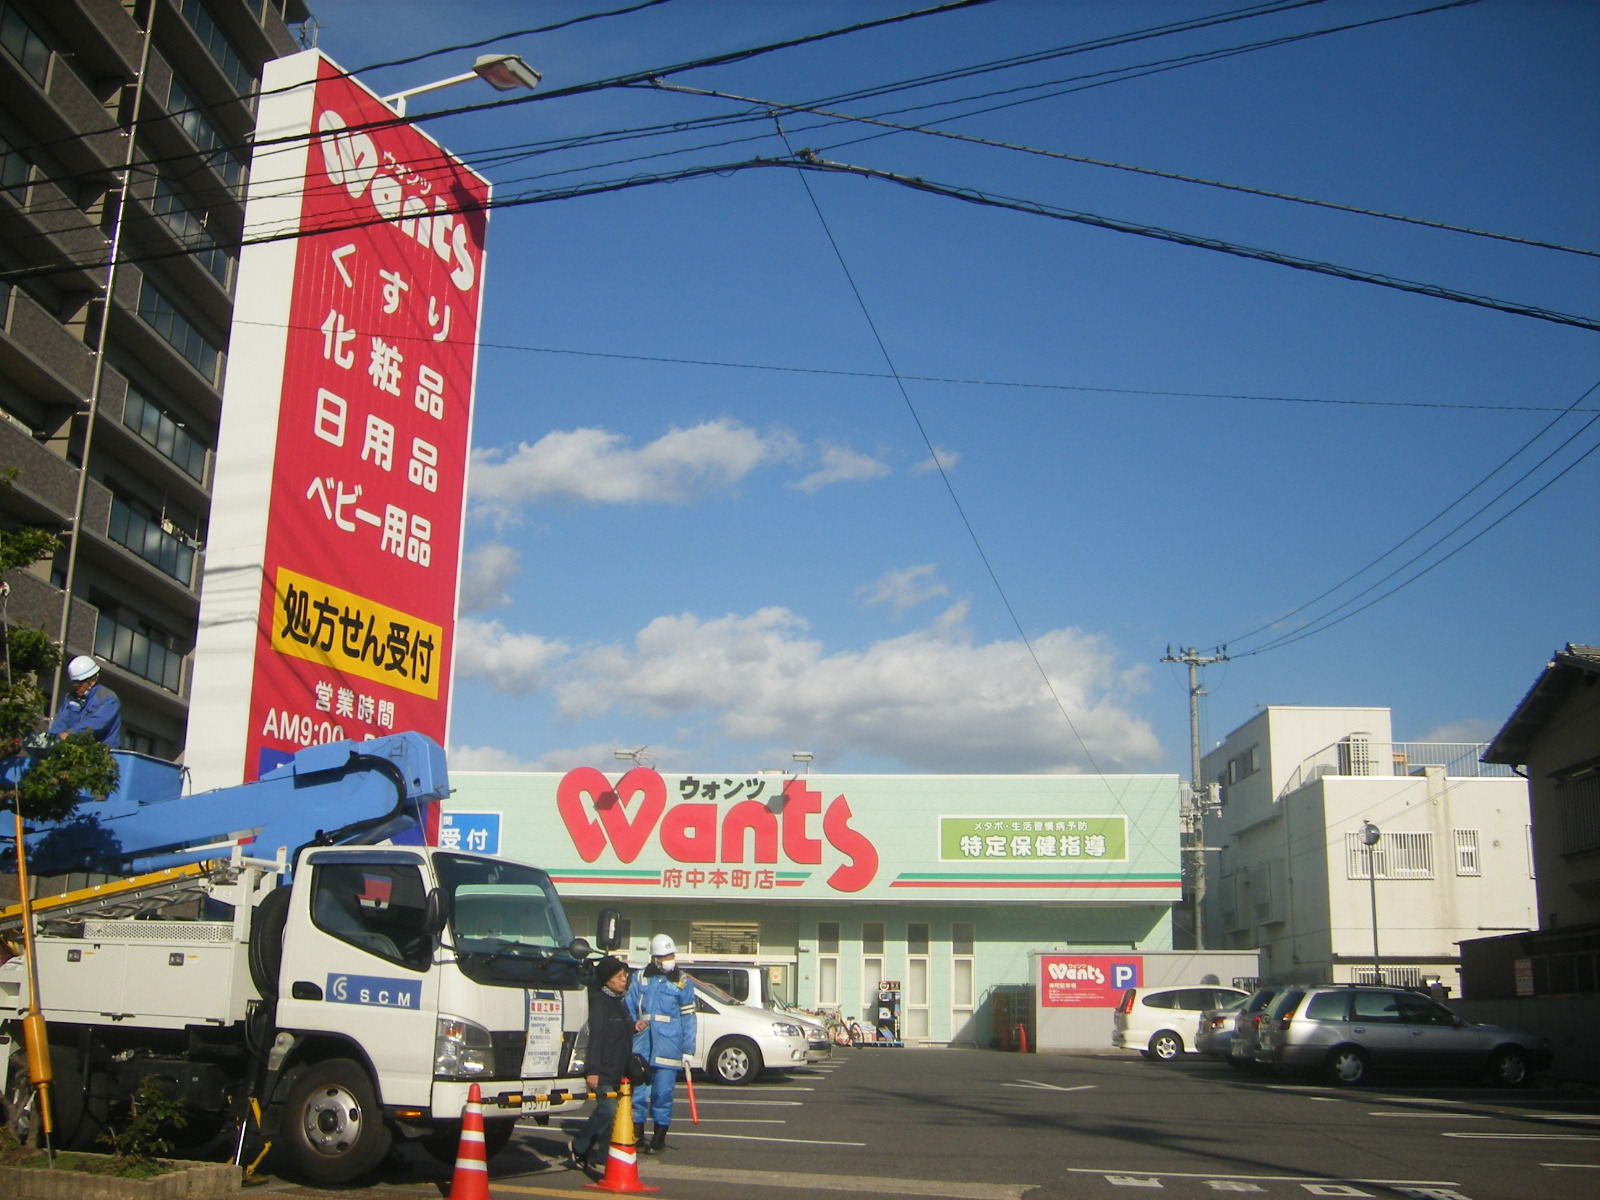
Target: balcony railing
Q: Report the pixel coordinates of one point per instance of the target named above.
(1357, 755)
(151, 542)
(162, 430)
(135, 651)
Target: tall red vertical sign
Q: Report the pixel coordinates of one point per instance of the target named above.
(356, 563)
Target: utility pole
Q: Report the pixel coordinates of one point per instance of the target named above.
(1194, 660)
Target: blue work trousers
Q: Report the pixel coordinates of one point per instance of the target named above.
(658, 1099)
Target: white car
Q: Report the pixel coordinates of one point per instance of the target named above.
(1155, 1021)
(747, 984)
(734, 1042)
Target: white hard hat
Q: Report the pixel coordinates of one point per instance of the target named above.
(661, 946)
(81, 668)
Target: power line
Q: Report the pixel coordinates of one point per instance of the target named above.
(1417, 532)
(1150, 171)
(1038, 208)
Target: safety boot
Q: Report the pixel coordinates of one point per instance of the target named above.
(658, 1139)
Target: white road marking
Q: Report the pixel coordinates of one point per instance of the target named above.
(722, 1087)
(742, 1121)
(1573, 1166)
(1432, 1116)
(750, 1137)
(1326, 1099)
(773, 1103)
(1035, 1085)
(859, 1185)
(1436, 1183)
(1527, 1136)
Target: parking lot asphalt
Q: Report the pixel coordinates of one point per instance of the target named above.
(983, 1125)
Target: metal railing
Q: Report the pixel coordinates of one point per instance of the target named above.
(162, 550)
(135, 651)
(1362, 756)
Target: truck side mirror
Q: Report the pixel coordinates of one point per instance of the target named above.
(434, 916)
(608, 929)
(579, 948)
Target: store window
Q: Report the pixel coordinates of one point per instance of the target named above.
(916, 989)
(871, 966)
(722, 937)
(828, 963)
(963, 941)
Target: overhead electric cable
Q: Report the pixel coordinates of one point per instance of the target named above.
(771, 105)
(1433, 520)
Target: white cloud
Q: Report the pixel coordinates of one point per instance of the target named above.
(903, 588)
(840, 464)
(600, 467)
(933, 699)
(486, 572)
(597, 754)
(947, 459)
(512, 663)
(1468, 729)
(486, 758)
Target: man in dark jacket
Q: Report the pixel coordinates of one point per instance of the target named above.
(610, 1044)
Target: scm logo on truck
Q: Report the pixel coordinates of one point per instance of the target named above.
(374, 990)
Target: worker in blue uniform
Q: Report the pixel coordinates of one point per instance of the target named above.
(661, 999)
(91, 708)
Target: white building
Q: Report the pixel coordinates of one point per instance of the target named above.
(1290, 874)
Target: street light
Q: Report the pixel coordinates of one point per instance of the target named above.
(503, 72)
(1369, 838)
(803, 757)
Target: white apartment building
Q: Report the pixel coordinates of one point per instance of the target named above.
(1290, 874)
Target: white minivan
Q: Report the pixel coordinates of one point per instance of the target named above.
(1160, 1022)
(734, 1043)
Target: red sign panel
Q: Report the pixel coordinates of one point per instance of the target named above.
(1087, 980)
(364, 525)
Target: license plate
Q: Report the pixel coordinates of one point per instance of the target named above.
(535, 1105)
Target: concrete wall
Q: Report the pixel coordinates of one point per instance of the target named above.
(1568, 1022)
(1090, 1028)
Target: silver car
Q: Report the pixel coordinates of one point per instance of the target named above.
(1213, 1036)
(1346, 1033)
(1247, 1028)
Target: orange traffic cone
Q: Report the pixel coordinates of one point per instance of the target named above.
(622, 1164)
(471, 1178)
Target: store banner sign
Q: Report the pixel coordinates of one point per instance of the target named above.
(345, 432)
(758, 834)
(1087, 980)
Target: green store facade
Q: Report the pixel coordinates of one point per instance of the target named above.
(952, 885)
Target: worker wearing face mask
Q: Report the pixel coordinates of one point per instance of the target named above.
(661, 999)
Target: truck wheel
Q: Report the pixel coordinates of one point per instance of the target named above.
(20, 1104)
(735, 1061)
(332, 1126)
(444, 1142)
(266, 941)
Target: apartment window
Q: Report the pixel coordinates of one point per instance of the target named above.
(828, 963)
(13, 167)
(144, 535)
(963, 940)
(218, 46)
(192, 119)
(189, 227)
(916, 992)
(145, 652)
(23, 44)
(177, 330)
(1467, 861)
(163, 431)
(1577, 802)
(1403, 855)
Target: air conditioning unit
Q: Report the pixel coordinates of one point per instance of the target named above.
(1355, 754)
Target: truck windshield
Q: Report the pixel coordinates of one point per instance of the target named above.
(507, 923)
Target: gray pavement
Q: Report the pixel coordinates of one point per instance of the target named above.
(981, 1125)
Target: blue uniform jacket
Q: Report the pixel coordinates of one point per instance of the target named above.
(99, 713)
(669, 1009)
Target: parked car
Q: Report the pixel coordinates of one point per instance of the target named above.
(1155, 1021)
(734, 1043)
(747, 983)
(1213, 1035)
(1347, 1032)
(1247, 1027)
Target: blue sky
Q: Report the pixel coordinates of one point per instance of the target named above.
(730, 563)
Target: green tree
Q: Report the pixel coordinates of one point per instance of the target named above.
(64, 771)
